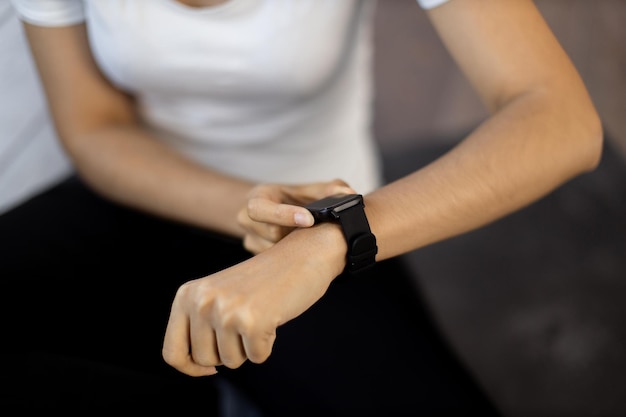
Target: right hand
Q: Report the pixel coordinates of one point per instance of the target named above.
(274, 210)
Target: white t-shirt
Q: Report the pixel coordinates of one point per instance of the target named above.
(31, 158)
(267, 90)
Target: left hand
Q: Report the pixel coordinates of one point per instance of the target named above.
(274, 210)
(232, 316)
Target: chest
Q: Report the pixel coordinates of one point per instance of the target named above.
(202, 3)
(239, 48)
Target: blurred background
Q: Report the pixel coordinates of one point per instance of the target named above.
(535, 303)
(411, 58)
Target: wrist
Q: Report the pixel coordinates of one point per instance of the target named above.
(348, 210)
(324, 247)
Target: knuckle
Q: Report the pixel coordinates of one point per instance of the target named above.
(259, 357)
(274, 233)
(232, 363)
(252, 208)
(262, 347)
(184, 290)
(173, 359)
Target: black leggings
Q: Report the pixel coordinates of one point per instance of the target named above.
(87, 287)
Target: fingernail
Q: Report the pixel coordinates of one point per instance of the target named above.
(211, 372)
(302, 219)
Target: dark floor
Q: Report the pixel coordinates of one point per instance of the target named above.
(535, 302)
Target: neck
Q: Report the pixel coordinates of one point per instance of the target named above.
(202, 3)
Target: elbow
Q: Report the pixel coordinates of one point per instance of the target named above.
(592, 138)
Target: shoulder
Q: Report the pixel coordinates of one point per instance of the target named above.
(50, 12)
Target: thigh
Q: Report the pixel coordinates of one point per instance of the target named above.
(87, 290)
(367, 348)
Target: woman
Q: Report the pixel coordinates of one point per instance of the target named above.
(205, 124)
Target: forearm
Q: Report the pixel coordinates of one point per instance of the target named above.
(127, 165)
(543, 130)
(525, 150)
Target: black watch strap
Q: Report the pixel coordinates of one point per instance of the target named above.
(361, 241)
(349, 211)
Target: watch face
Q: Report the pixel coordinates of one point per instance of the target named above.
(334, 201)
(329, 208)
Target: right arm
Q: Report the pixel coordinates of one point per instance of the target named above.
(98, 127)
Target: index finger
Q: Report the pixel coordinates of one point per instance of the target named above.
(280, 214)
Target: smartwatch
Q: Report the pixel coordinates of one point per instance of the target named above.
(348, 211)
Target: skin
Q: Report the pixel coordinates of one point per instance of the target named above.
(202, 3)
(543, 130)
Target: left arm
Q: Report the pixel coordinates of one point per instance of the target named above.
(543, 129)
